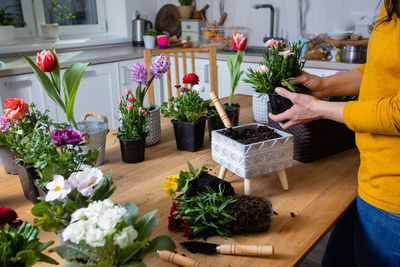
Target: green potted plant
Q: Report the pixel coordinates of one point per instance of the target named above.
(6, 156)
(149, 38)
(188, 112)
(59, 12)
(280, 65)
(108, 234)
(158, 67)
(234, 62)
(185, 9)
(19, 244)
(7, 22)
(132, 132)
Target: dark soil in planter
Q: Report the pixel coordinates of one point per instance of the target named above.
(204, 181)
(253, 214)
(215, 122)
(252, 135)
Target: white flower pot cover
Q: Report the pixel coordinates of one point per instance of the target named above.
(260, 108)
(254, 159)
(149, 41)
(153, 126)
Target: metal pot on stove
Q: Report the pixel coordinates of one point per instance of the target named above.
(353, 54)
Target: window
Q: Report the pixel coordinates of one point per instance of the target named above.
(73, 16)
(21, 11)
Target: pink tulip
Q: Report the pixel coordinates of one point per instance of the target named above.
(127, 92)
(239, 41)
(45, 61)
(129, 107)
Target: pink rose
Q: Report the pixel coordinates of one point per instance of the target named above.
(127, 91)
(129, 107)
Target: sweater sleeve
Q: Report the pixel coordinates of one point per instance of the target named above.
(361, 68)
(377, 116)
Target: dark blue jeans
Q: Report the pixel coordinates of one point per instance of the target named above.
(364, 236)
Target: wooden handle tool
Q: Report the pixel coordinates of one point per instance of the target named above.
(220, 109)
(248, 250)
(178, 259)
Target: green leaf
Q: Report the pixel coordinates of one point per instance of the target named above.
(71, 80)
(133, 264)
(56, 73)
(46, 83)
(158, 243)
(40, 209)
(73, 251)
(133, 212)
(144, 223)
(130, 251)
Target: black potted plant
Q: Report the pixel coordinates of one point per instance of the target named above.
(234, 62)
(280, 65)
(132, 132)
(188, 113)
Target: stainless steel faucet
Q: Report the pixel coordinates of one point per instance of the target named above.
(272, 19)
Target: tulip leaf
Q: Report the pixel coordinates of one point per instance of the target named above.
(55, 74)
(71, 80)
(46, 83)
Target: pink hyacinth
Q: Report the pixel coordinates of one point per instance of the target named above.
(129, 107)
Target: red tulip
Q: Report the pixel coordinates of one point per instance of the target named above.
(239, 41)
(45, 61)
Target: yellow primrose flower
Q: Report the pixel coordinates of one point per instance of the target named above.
(171, 185)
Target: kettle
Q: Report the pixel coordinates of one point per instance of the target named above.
(139, 27)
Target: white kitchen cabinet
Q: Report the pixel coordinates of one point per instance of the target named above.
(320, 72)
(98, 92)
(28, 88)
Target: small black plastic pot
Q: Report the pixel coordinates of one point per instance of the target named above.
(279, 103)
(189, 136)
(215, 122)
(27, 177)
(132, 151)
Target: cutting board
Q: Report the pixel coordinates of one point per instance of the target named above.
(167, 19)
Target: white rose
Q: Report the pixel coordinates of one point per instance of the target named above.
(75, 232)
(126, 237)
(95, 237)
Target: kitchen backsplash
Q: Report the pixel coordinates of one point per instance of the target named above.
(322, 16)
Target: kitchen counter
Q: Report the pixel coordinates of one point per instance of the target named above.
(104, 54)
(319, 192)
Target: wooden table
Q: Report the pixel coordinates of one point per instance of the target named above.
(319, 193)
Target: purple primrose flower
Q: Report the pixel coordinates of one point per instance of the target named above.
(66, 137)
(139, 73)
(159, 66)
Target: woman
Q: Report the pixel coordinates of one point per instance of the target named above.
(369, 233)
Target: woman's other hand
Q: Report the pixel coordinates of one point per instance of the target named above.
(313, 82)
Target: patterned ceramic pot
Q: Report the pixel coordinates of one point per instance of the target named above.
(260, 107)
(153, 126)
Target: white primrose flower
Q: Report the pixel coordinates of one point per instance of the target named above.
(75, 232)
(126, 237)
(84, 181)
(111, 217)
(58, 189)
(198, 87)
(95, 237)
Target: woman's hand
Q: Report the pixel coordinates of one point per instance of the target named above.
(312, 82)
(306, 108)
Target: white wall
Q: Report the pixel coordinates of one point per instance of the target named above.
(323, 16)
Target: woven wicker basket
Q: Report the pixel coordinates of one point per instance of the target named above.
(318, 139)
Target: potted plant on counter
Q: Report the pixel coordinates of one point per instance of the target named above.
(7, 22)
(108, 234)
(185, 9)
(140, 75)
(19, 244)
(132, 132)
(234, 62)
(59, 12)
(149, 38)
(188, 113)
(280, 65)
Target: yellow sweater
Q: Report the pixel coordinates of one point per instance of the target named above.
(375, 118)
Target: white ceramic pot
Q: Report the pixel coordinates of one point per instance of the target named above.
(6, 34)
(50, 31)
(149, 41)
(260, 107)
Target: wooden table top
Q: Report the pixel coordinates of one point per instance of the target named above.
(319, 193)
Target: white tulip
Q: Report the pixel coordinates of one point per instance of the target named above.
(58, 189)
(84, 181)
(126, 237)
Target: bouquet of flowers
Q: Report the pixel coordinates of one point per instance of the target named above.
(133, 118)
(189, 106)
(19, 244)
(209, 206)
(107, 234)
(280, 65)
(47, 61)
(158, 67)
(65, 196)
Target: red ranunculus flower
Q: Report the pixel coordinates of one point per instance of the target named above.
(191, 78)
(17, 108)
(45, 61)
(239, 41)
(7, 216)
